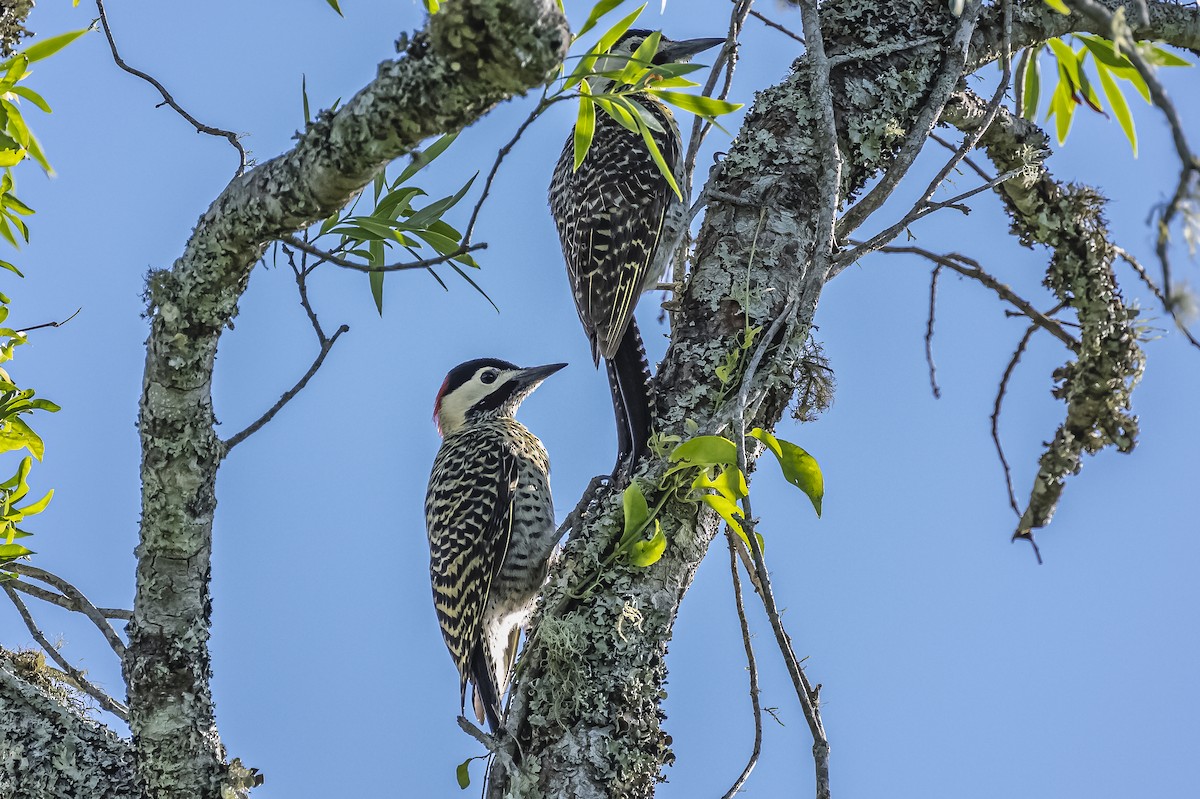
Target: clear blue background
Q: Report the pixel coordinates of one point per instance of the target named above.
(952, 664)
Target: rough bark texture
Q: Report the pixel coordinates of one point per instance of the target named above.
(586, 709)
(48, 746)
(471, 56)
(587, 704)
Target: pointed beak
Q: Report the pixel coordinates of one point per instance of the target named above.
(679, 52)
(534, 375)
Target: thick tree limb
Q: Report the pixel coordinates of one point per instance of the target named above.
(443, 82)
(51, 747)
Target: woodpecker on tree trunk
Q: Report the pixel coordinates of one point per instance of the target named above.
(610, 214)
(490, 521)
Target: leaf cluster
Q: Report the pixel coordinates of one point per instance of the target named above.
(1075, 87)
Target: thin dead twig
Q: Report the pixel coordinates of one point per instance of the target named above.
(76, 601)
(107, 702)
(166, 95)
(751, 666)
(933, 281)
(336, 260)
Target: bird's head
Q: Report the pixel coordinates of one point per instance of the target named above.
(485, 387)
(669, 51)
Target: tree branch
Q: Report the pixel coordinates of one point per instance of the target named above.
(74, 599)
(108, 703)
(751, 666)
(166, 95)
(425, 263)
(443, 82)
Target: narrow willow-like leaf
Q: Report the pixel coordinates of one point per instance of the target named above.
(48, 47)
(1033, 84)
(637, 512)
(598, 11)
(585, 123)
(1120, 107)
(698, 104)
(334, 5)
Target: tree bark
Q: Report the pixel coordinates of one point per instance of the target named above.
(471, 56)
(586, 705)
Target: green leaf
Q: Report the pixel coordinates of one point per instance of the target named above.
(432, 212)
(617, 111)
(642, 58)
(1104, 52)
(617, 31)
(598, 11)
(728, 511)
(10, 551)
(799, 468)
(1086, 92)
(1163, 58)
(659, 161)
(432, 6)
(31, 96)
(1120, 108)
(647, 552)
(585, 124)
(37, 507)
(706, 451)
(463, 773)
(423, 158)
(377, 289)
(334, 5)
(1068, 62)
(729, 483)
(45, 405)
(304, 97)
(17, 481)
(1059, 6)
(48, 47)
(15, 435)
(1062, 108)
(698, 104)
(1032, 83)
(11, 157)
(637, 512)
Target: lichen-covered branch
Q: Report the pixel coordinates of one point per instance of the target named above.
(585, 708)
(50, 747)
(472, 55)
(1067, 219)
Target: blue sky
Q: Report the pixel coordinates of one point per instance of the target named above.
(952, 664)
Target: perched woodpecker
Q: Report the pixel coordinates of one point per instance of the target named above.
(610, 215)
(490, 521)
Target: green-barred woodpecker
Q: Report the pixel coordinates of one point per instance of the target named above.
(610, 215)
(490, 521)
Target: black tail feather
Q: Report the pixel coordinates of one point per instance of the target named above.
(633, 398)
(487, 694)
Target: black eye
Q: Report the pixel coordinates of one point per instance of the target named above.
(489, 376)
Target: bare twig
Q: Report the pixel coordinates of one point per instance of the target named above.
(287, 396)
(933, 281)
(51, 324)
(76, 601)
(954, 148)
(166, 95)
(108, 703)
(725, 62)
(883, 49)
(751, 666)
(770, 23)
(1167, 305)
(54, 598)
(996, 408)
(942, 87)
(919, 211)
(336, 260)
(542, 105)
(968, 267)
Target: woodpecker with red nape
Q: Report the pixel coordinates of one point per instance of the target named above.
(490, 521)
(610, 215)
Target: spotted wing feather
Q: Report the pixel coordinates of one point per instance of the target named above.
(469, 516)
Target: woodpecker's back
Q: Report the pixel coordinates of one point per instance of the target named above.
(490, 520)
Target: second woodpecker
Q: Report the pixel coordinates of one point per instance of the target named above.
(610, 215)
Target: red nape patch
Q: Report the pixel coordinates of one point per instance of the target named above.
(437, 405)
